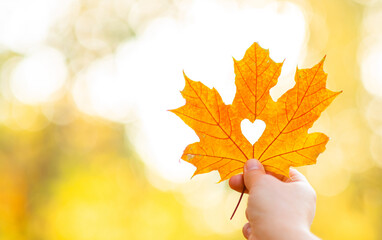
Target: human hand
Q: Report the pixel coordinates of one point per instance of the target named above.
(277, 209)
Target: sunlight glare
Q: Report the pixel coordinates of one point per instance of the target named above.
(24, 23)
(154, 62)
(371, 70)
(99, 91)
(33, 82)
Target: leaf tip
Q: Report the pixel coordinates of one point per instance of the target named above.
(321, 63)
(195, 173)
(219, 181)
(337, 93)
(185, 77)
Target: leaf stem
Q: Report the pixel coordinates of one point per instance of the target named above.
(238, 203)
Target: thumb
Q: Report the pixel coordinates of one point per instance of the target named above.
(253, 170)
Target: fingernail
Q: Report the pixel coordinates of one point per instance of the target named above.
(252, 164)
(249, 230)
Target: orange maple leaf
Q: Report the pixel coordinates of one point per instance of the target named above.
(285, 141)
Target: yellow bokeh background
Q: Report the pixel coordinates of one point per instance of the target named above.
(88, 150)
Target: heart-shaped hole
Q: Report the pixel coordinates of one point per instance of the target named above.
(252, 131)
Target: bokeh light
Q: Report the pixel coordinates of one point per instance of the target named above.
(39, 76)
(25, 24)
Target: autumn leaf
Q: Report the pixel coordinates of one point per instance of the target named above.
(285, 141)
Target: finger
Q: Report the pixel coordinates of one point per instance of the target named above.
(237, 183)
(296, 176)
(247, 230)
(278, 176)
(253, 169)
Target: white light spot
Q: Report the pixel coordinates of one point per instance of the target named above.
(39, 76)
(371, 69)
(99, 90)
(25, 24)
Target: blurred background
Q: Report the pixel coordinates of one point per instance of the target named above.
(88, 150)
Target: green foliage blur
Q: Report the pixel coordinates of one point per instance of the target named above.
(67, 173)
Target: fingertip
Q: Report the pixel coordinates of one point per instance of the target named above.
(253, 164)
(247, 230)
(253, 169)
(232, 181)
(296, 176)
(236, 182)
